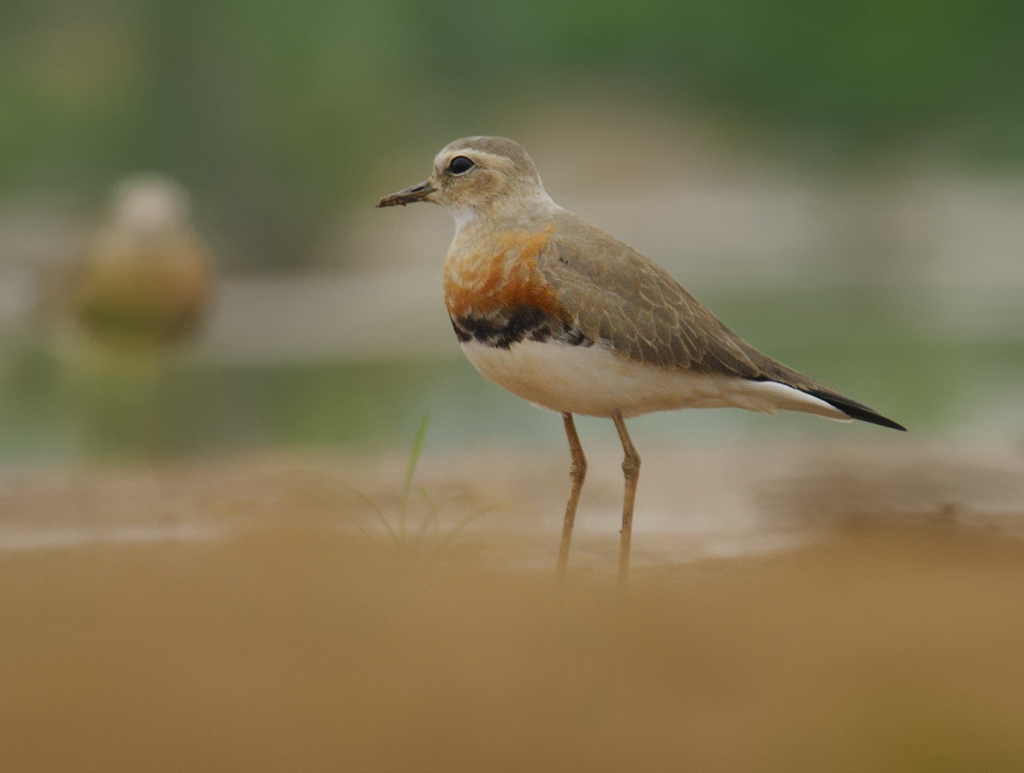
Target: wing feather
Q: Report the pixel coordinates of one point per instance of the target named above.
(633, 305)
(617, 296)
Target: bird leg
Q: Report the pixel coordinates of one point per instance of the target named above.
(631, 471)
(578, 472)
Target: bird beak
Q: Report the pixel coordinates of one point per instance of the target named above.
(419, 192)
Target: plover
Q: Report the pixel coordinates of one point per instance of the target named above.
(148, 278)
(573, 320)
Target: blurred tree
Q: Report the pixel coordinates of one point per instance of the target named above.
(273, 111)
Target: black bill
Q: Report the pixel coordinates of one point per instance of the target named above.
(408, 196)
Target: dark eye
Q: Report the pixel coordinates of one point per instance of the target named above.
(460, 165)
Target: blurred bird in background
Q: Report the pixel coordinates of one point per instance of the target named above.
(147, 281)
(143, 288)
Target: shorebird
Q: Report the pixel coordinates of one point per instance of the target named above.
(573, 320)
(147, 280)
(120, 313)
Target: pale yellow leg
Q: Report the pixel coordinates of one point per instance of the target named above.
(631, 471)
(578, 472)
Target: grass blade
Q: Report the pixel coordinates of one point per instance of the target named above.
(372, 505)
(430, 518)
(459, 527)
(410, 470)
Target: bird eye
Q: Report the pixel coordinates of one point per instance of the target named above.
(460, 165)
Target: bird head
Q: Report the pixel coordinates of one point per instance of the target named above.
(150, 203)
(478, 177)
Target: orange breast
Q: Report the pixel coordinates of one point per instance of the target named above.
(498, 272)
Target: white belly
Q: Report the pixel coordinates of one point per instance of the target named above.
(593, 381)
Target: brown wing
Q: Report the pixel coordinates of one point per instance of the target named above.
(616, 295)
(620, 297)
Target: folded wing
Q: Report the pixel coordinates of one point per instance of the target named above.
(618, 297)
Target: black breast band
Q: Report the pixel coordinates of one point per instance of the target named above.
(504, 327)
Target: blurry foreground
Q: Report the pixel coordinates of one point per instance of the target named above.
(260, 616)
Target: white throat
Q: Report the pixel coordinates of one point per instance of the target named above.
(537, 203)
(464, 216)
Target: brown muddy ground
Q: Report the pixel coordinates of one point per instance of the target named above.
(886, 634)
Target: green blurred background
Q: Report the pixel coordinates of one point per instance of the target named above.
(842, 183)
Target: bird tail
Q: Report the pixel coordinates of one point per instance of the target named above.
(853, 409)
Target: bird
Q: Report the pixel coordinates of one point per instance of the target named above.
(569, 318)
(118, 314)
(146, 282)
